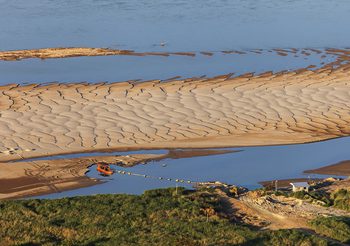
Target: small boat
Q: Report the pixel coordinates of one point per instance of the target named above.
(104, 169)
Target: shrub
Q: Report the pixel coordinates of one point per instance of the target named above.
(334, 227)
(158, 217)
(341, 199)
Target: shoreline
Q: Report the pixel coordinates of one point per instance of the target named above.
(33, 178)
(42, 177)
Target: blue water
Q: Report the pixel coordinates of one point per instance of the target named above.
(122, 68)
(191, 25)
(141, 25)
(246, 168)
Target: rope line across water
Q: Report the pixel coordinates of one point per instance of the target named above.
(154, 177)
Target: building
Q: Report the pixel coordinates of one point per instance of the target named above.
(300, 186)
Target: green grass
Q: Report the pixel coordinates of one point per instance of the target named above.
(341, 199)
(158, 217)
(334, 227)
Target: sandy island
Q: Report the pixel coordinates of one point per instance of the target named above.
(268, 109)
(65, 52)
(283, 108)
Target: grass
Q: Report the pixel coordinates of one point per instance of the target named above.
(341, 199)
(334, 227)
(158, 217)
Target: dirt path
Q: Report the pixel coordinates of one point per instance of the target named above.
(275, 212)
(254, 215)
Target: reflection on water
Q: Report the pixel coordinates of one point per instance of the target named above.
(185, 25)
(245, 168)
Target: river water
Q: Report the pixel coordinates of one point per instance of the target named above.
(247, 167)
(142, 25)
(122, 68)
(191, 25)
(194, 26)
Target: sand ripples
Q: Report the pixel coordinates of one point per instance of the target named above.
(289, 107)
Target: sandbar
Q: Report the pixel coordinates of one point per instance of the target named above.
(249, 110)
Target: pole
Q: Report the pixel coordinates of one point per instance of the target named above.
(276, 185)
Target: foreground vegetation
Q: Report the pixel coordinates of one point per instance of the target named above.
(333, 227)
(158, 217)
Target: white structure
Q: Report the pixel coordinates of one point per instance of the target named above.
(300, 186)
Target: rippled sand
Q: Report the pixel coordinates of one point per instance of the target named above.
(283, 108)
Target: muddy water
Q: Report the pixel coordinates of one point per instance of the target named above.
(246, 167)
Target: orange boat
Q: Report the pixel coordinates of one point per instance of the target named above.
(104, 169)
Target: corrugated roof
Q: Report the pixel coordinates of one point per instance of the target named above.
(300, 184)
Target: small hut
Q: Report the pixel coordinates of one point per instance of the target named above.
(300, 186)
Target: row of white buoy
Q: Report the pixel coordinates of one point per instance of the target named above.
(153, 177)
(12, 151)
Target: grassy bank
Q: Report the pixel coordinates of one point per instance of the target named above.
(337, 228)
(158, 217)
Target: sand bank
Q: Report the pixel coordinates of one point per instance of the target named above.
(339, 169)
(283, 108)
(64, 52)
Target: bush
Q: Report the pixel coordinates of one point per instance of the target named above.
(158, 217)
(341, 199)
(334, 227)
(292, 238)
(299, 194)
